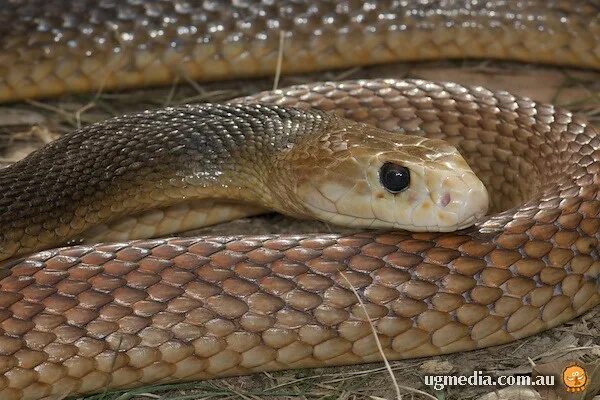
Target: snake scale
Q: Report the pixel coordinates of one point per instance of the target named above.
(83, 318)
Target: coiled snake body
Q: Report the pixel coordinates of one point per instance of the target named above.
(82, 318)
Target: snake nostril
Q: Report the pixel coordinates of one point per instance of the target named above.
(445, 199)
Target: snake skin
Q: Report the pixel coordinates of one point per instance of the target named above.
(49, 47)
(85, 318)
(149, 161)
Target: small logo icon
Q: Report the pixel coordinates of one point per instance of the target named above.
(574, 378)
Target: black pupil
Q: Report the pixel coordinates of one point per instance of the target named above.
(395, 178)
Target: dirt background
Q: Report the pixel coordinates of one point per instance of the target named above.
(28, 125)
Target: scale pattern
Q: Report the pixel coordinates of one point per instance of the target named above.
(83, 318)
(48, 47)
(80, 319)
(148, 160)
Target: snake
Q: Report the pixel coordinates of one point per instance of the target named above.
(96, 293)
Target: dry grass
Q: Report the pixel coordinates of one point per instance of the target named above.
(26, 126)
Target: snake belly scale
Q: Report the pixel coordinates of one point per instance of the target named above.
(83, 318)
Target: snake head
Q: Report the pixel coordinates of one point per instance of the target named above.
(365, 177)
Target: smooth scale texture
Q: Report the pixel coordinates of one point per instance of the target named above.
(78, 319)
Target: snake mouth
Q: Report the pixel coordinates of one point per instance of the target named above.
(339, 219)
(423, 213)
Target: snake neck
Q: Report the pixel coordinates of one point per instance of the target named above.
(137, 163)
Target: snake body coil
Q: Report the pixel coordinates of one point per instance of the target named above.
(83, 318)
(56, 46)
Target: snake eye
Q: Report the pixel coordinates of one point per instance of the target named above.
(395, 178)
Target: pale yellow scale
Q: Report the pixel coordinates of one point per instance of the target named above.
(181, 217)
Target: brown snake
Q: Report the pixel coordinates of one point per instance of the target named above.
(83, 318)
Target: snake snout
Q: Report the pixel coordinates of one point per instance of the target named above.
(455, 195)
(467, 198)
